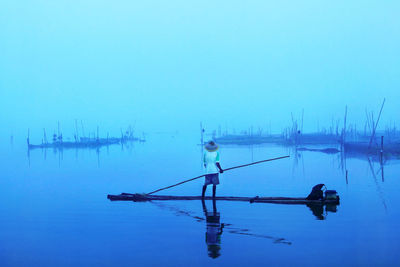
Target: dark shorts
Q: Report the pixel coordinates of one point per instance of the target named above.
(212, 179)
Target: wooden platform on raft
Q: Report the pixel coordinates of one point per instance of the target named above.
(257, 199)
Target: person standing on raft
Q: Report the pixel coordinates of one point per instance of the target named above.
(213, 168)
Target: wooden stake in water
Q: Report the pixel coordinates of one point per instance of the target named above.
(76, 131)
(83, 129)
(344, 127)
(44, 136)
(376, 125)
(27, 139)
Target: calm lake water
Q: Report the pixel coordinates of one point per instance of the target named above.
(55, 211)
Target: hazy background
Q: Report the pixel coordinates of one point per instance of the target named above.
(166, 66)
(170, 64)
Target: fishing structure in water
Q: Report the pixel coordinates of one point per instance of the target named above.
(83, 141)
(337, 138)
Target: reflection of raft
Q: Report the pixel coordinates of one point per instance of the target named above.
(276, 200)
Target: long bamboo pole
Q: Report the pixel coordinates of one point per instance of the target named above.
(228, 169)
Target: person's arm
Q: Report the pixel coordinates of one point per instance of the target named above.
(219, 167)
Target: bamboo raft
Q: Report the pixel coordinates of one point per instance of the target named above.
(257, 199)
(317, 196)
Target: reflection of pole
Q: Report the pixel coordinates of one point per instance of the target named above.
(29, 157)
(201, 143)
(295, 160)
(59, 158)
(98, 156)
(381, 160)
(378, 189)
(343, 159)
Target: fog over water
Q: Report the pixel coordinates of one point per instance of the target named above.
(170, 65)
(165, 66)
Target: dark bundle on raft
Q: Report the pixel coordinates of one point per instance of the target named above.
(257, 199)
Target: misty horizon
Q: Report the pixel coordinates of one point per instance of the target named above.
(168, 67)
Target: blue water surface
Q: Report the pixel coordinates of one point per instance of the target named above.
(55, 210)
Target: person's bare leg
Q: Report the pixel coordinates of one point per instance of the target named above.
(204, 191)
(214, 190)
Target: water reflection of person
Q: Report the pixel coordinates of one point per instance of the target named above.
(318, 210)
(214, 230)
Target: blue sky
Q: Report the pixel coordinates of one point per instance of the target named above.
(168, 65)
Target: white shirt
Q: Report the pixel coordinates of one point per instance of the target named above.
(210, 160)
